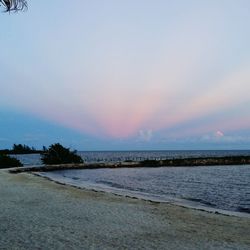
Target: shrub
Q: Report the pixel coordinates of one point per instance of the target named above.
(8, 162)
(22, 149)
(57, 154)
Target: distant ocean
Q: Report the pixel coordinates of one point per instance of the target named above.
(116, 156)
(215, 187)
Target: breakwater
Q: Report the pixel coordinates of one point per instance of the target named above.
(201, 161)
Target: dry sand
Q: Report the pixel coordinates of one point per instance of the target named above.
(39, 214)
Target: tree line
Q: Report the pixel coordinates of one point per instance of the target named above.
(55, 154)
(21, 149)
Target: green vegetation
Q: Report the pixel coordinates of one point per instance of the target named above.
(20, 149)
(57, 154)
(8, 162)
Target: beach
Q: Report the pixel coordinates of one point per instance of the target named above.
(36, 213)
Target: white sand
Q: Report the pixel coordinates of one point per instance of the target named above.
(38, 214)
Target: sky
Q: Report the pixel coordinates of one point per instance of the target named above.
(126, 75)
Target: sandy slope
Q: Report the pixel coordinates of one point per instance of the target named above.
(38, 214)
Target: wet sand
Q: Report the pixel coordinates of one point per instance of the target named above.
(36, 213)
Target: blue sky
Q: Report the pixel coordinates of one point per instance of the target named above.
(103, 75)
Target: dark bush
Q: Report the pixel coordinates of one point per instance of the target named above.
(8, 162)
(20, 149)
(23, 149)
(57, 154)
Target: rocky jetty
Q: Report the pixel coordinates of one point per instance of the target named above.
(203, 161)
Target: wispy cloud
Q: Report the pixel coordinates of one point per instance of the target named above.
(219, 137)
(145, 135)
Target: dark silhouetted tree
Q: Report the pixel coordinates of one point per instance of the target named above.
(8, 162)
(57, 154)
(23, 149)
(14, 5)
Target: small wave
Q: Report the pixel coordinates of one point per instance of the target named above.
(200, 201)
(115, 185)
(243, 210)
(75, 178)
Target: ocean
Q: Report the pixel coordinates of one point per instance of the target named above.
(215, 187)
(116, 156)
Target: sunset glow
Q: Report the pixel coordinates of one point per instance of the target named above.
(123, 71)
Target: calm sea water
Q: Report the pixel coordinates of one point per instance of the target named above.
(114, 156)
(219, 187)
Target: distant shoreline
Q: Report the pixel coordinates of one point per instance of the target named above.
(13, 152)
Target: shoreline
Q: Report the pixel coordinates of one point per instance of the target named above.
(38, 213)
(151, 198)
